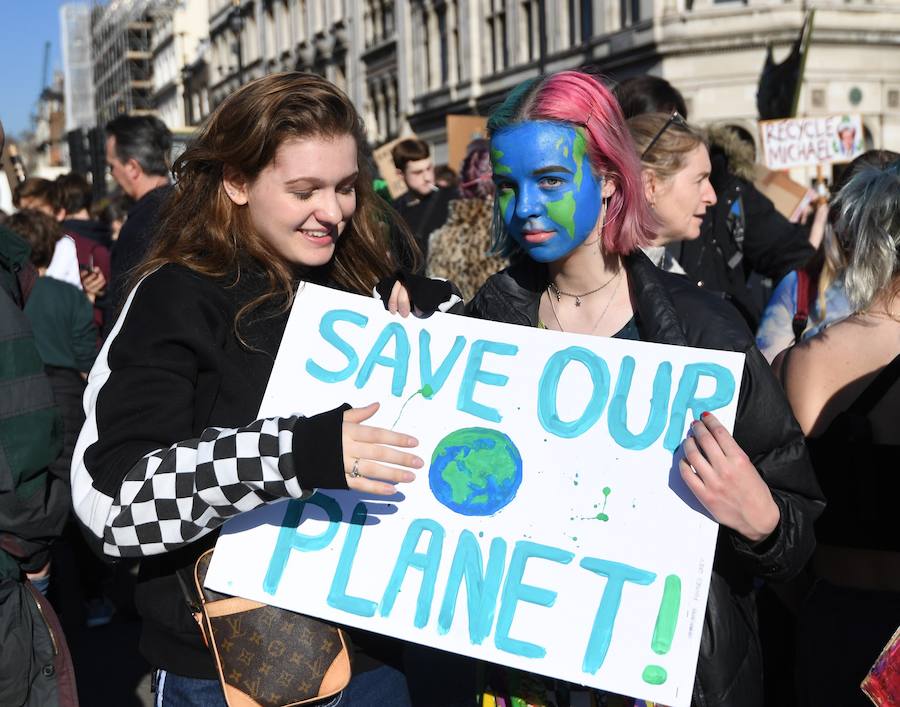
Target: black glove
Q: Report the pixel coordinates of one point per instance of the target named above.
(425, 295)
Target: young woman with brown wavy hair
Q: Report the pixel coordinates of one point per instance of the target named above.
(273, 192)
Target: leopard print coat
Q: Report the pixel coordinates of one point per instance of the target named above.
(458, 251)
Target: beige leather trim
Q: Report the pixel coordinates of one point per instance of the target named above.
(337, 676)
(234, 605)
(236, 698)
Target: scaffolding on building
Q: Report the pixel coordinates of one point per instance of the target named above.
(122, 34)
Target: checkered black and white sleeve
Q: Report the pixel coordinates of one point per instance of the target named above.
(175, 495)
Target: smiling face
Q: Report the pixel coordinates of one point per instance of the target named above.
(549, 198)
(303, 199)
(681, 201)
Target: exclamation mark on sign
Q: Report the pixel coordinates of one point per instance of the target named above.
(664, 630)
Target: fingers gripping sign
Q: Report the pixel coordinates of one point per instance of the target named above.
(371, 463)
(399, 302)
(726, 482)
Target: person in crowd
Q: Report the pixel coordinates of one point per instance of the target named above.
(137, 154)
(843, 387)
(76, 197)
(112, 211)
(742, 237)
(93, 259)
(42, 195)
(445, 177)
(273, 191)
(35, 664)
(423, 208)
(459, 250)
(62, 322)
(781, 324)
(563, 137)
(675, 175)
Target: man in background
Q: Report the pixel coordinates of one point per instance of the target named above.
(137, 153)
(424, 207)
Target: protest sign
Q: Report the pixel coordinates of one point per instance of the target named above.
(550, 529)
(461, 130)
(802, 142)
(384, 161)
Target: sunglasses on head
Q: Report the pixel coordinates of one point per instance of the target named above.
(675, 119)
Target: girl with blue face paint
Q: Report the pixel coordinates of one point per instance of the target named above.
(572, 215)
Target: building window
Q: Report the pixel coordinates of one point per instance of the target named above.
(426, 49)
(581, 21)
(530, 30)
(445, 44)
(893, 98)
(630, 12)
(818, 97)
(495, 19)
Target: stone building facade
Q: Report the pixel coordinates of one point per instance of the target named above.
(408, 63)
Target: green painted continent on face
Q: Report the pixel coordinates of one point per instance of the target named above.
(578, 151)
(499, 167)
(503, 198)
(562, 212)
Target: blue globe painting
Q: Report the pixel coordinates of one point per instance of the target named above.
(475, 471)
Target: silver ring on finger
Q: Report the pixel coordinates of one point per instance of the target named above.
(354, 472)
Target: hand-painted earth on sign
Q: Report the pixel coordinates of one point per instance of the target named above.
(475, 471)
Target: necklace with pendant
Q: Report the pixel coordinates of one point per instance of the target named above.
(602, 314)
(558, 292)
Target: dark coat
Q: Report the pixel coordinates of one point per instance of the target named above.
(673, 311)
(741, 235)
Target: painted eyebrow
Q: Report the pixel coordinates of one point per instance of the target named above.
(552, 168)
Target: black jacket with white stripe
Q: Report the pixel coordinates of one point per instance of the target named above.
(172, 448)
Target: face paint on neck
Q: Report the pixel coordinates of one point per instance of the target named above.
(549, 198)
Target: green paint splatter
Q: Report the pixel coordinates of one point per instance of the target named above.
(562, 211)
(426, 391)
(559, 142)
(601, 515)
(499, 167)
(654, 675)
(578, 150)
(503, 198)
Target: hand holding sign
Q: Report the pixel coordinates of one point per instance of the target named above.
(366, 454)
(725, 481)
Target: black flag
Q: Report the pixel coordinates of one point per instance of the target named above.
(779, 84)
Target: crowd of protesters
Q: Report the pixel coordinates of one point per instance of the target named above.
(138, 336)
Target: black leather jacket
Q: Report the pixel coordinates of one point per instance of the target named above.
(671, 310)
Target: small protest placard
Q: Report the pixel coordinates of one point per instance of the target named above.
(802, 142)
(550, 529)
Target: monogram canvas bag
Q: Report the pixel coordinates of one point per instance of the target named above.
(266, 656)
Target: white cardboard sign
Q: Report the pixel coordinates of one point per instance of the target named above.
(802, 142)
(550, 529)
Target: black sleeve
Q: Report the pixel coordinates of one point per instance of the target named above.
(773, 246)
(143, 482)
(766, 430)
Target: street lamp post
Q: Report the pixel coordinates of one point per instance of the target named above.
(236, 22)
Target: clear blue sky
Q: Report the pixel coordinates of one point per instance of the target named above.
(24, 27)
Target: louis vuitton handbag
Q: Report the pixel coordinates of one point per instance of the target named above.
(266, 656)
